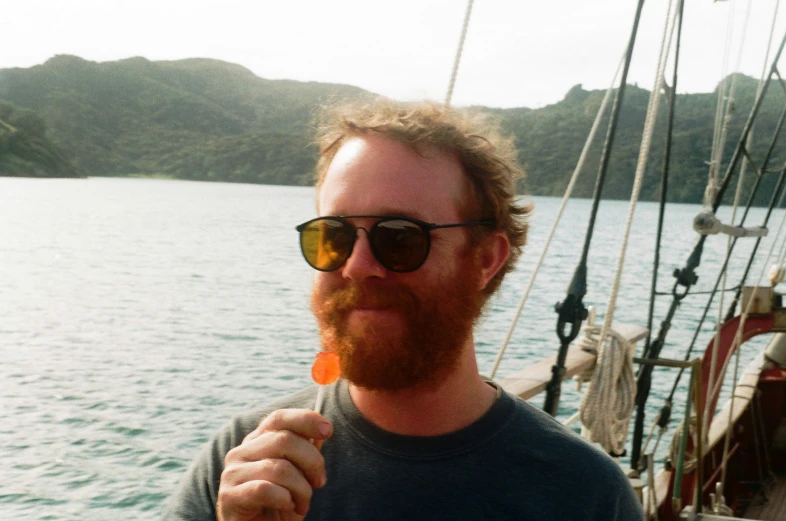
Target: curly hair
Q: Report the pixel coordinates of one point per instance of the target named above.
(488, 158)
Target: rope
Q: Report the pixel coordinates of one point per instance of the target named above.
(674, 448)
(613, 381)
(771, 206)
(735, 206)
(716, 151)
(588, 343)
(694, 257)
(749, 140)
(608, 404)
(649, 128)
(652, 507)
(769, 42)
(727, 436)
(646, 443)
(664, 185)
(568, 192)
(459, 51)
(714, 388)
(781, 259)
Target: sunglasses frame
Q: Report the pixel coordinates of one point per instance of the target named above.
(426, 226)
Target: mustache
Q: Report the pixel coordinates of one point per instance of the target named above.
(356, 296)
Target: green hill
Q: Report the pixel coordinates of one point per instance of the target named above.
(210, 120)
(550, 140)
(191, 119)
(25, 149)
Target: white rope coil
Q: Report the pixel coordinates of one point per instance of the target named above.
(607, 405)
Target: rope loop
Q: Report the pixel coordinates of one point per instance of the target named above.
(607, 406)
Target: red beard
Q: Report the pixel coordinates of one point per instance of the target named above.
(437, 322)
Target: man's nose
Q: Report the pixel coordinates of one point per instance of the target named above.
(362, 264)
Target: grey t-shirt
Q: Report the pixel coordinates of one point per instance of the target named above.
(515, 462)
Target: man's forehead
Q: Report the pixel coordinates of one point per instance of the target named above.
(405, 153)
(366, 168)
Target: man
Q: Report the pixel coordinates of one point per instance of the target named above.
(419, 224)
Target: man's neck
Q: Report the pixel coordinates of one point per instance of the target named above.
(430, 410)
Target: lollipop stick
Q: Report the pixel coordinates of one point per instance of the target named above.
(320, 399)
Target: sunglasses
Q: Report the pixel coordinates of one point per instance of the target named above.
(400, 244)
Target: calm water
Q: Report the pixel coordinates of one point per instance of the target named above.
(137, 316)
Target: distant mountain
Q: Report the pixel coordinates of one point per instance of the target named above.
(210, 120)
(191, 119)
(550, 140)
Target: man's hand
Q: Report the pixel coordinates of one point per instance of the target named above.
(271, 475)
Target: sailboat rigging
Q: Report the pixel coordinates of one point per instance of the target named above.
(745, 424)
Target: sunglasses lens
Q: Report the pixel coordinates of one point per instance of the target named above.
(400, 245)
(326, 243)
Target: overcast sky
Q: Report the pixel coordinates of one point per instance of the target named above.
(518, 52)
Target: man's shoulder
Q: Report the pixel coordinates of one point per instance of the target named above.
(548, 440)
(562, 457)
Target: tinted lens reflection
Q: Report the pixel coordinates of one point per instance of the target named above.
(400, 245)
(327, 243)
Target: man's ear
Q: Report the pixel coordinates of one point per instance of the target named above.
(493, 252)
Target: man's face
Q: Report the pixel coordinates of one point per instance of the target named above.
(396, 330)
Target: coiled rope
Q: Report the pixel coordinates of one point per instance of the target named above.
(607, 405)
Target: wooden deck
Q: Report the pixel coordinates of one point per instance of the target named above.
(773, 508)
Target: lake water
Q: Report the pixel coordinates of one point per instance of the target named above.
(137, 316)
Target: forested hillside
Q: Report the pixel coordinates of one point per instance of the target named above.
(24, 148)
(210, 120)
(190, 119)
(550, 140)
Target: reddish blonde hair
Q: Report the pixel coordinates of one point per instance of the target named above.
(488, 158)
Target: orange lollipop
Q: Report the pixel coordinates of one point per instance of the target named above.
(325, 371)
(326, 368)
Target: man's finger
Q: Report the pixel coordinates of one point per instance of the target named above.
(254, 496)
(282, 445)
(303, 422)
(276, 471)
